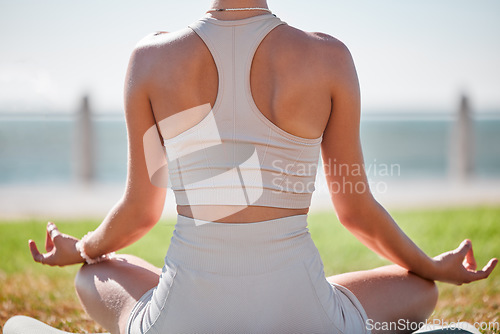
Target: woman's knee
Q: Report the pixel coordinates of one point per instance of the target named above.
(428, 298)
(99, 299)
(422, 298)
(84, 281)
(91, 286)
(416, 297)
(424, 294)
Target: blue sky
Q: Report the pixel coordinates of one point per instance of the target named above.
(410, 55)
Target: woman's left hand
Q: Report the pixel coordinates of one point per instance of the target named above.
(61, 250)
(459, 266)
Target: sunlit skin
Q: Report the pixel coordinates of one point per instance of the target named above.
(172, 72)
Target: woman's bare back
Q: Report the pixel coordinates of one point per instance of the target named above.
(291, 84)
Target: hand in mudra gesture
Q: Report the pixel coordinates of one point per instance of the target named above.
(459, 266)
(60, 248)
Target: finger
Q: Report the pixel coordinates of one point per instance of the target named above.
(485, 272)
(49, 244)
(464, 247)
(469, 261)
(37, 256)
(490, 266)
(53, 231)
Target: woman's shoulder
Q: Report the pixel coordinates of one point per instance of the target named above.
(323, 52)
(159, 47)
(320, 43)
(327, 42)
(159, 41)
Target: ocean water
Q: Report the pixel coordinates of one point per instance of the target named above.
(42, 149)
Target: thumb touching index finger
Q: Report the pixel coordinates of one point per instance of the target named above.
(464, 248)
(469, 261)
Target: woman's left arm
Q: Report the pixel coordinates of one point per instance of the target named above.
(142, 203)
(355, 206)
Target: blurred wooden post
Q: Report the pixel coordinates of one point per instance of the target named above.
(462, 143)
(85, 165)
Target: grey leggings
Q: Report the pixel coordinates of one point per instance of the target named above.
(264, 277)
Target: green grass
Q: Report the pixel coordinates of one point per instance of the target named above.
(47, 293)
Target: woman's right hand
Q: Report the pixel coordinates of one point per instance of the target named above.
(60, 247)
(459, 266)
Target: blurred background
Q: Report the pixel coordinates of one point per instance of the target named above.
(429, 74)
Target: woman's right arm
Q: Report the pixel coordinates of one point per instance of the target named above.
(142, 203)
(355, 206)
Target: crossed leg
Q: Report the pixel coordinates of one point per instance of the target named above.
(109, 290)
(391, 293)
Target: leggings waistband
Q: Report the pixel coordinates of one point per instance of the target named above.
(240, 248)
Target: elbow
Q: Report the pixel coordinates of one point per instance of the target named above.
(148, 216)
(347, 219)
(142, 215)
(140, 223)
(360, 226)
(149, 220)
(351, 221)
(358, 215)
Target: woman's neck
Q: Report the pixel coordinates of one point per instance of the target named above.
(236, 15)
(239, 4)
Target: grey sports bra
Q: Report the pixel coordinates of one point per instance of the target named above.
(235, 155)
